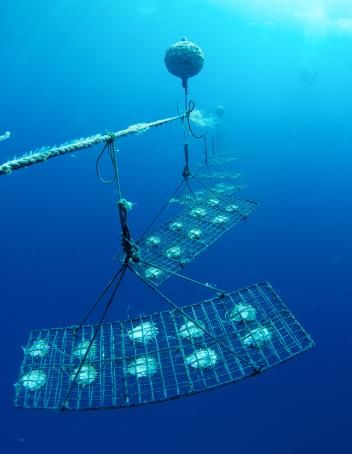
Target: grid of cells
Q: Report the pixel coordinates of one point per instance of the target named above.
(179, 241)
(162, 356)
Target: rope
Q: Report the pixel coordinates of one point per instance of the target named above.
(110, 147)
(157, 216)
(97, 329)
(205, 151)
(100, 297)
(256, 369)
(32, 158)
(191, 107)
(181, 276)
(129, 247)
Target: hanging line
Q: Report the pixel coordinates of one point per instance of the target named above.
(205, 150)
(221, 293)
(95, 334)
(129, 247)
(191, 107)
(186, 174)
(185, 118)
(160, 212)
(111, 150)
(99, 299)
(256, 369)
(213, 145)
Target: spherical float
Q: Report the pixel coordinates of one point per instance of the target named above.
(184, 59)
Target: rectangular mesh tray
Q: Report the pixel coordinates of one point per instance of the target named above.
(161, 356)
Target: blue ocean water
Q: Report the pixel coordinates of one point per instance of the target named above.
(73, 68)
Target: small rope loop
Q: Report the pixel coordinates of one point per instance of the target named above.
(190, 108)
(110, 148)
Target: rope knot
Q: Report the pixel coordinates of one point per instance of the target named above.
(111, 137)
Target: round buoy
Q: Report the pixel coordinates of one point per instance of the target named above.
(184, 59)
(219, 111)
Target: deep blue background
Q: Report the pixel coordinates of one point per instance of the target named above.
(72, 68)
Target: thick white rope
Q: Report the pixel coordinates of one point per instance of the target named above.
(79, 144)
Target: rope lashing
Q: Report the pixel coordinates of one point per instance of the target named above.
(129, 247)
(39, 156)
(186, 171)
(110, 148)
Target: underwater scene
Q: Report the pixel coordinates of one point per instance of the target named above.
(175, 189)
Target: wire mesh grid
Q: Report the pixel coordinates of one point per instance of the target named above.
(219, 166)
(178, 242)
(161, 356)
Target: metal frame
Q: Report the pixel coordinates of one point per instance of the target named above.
(169, 373)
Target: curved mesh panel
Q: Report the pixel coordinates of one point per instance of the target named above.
(161, 356)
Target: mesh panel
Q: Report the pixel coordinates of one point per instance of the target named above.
(162, 356)
(181, 240)
(220, 166)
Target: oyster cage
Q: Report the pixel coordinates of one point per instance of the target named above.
(162, 356)
(179, 241)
